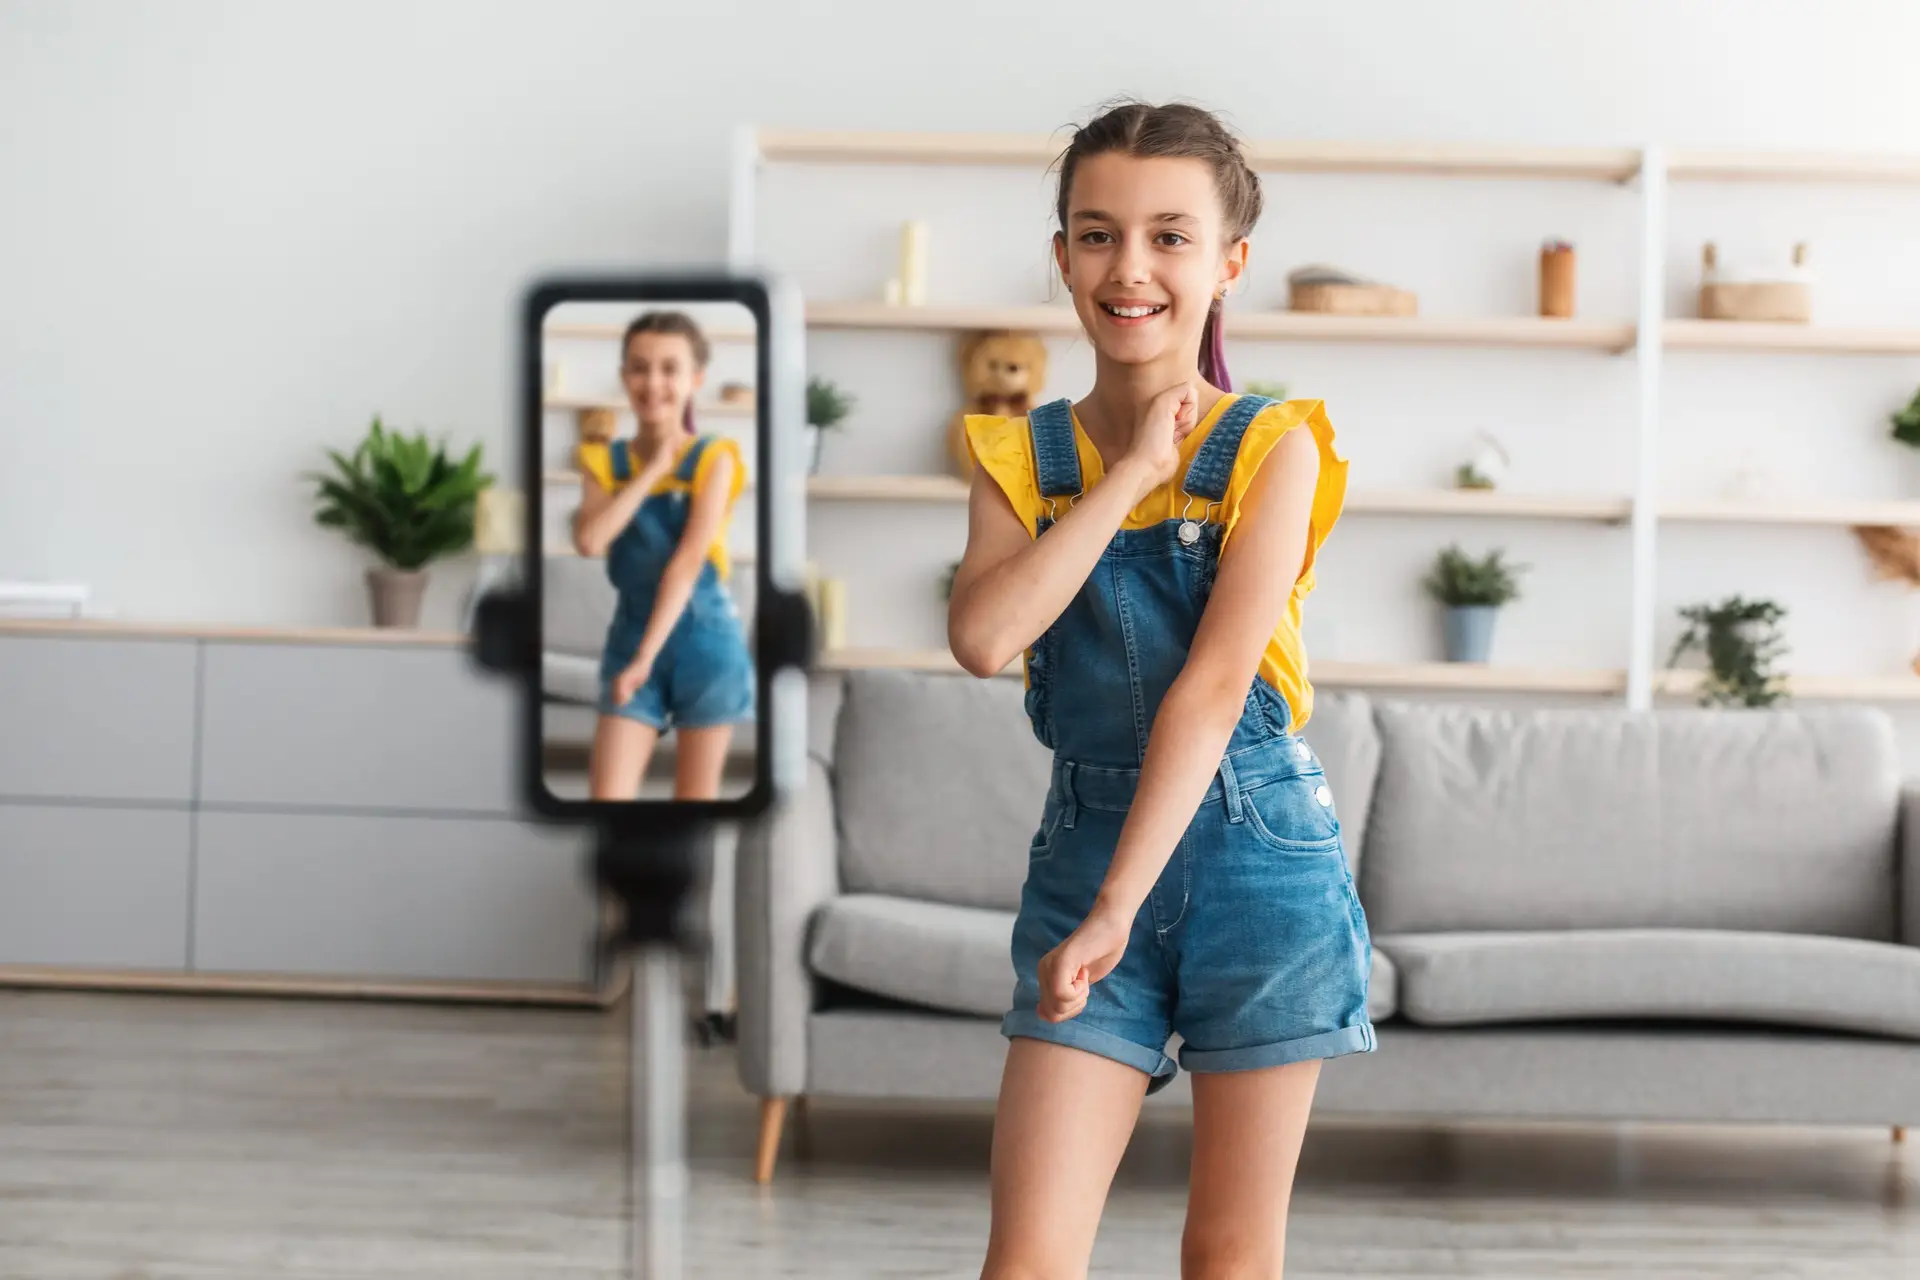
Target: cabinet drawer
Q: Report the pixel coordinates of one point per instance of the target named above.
(94, 887)
(96, 719)
(355, 727)
(364, 896)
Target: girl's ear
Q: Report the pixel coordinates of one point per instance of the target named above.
(1060, 259)
(1234, 265)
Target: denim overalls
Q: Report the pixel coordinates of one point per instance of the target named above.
(1252, 946)
(704, 674)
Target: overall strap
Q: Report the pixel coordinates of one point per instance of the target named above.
(690, 465)
(1212, 468)
(620, 455)
(1056, 456)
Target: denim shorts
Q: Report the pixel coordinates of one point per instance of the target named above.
(702, 678)
(1252, 946)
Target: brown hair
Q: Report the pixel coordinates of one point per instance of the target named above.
(674, 322)
(1180, 130)
(669, 322)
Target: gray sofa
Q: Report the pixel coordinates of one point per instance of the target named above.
(1683, 915)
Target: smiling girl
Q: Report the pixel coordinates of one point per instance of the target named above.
(1149, 548)
(656, 506)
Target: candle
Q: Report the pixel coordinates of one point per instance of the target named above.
(913, 263)
(833, 614)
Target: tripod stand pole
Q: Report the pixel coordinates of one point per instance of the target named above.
(657, 1169)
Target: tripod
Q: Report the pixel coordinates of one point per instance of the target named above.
(651, 870)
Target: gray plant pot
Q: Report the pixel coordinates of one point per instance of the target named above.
(1469, 631)
(396, 596)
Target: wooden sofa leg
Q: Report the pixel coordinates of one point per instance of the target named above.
(773, 1119)
(1899, 1133)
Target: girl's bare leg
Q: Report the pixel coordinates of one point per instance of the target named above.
(621, 750)
(1247, 1131)
(701, 760)
(1062, 1125)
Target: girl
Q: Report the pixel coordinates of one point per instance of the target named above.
(656, 507)
(1149, 549)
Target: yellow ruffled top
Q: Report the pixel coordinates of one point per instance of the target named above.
(1003, 448)
(596, 460)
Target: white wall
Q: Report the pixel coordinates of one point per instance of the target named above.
(230, 233)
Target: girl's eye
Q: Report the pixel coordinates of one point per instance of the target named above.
(1173, 236)
(1096, 237)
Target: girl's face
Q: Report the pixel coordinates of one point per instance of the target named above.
(660, 377)
(1145, 253)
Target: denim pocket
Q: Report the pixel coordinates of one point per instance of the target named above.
(1050, 817)
(1295, 814)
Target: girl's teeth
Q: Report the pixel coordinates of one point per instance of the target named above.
(1132, 313)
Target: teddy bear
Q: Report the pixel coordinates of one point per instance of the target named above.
(596, 425)
(1001, 372)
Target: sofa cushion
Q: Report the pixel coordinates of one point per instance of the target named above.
(1835, 984)
(939, 784)
(958, 959)
(955, 959)
(1775, 821)
(576, 605)
(1342, 734)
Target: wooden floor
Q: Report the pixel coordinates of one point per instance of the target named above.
(164, 1138)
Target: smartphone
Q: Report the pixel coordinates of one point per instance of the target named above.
(663, 526)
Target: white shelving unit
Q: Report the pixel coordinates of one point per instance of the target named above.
(1648, 336)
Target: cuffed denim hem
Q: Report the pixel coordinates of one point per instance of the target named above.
(1327, 1044)
(1077, 1035)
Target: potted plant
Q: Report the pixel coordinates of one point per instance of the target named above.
(827, 407)
(1472, 590)
(405, 500)
(1906, 423)
(1741, 638)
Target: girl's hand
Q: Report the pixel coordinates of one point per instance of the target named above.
(628, 682)
(1089, 953)
(1155, 450)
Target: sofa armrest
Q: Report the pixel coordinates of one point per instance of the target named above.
(1909, 904)
(788, 865)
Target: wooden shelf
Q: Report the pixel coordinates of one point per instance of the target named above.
(1488, 502)
(1275, 326)
(1598, 164)
(606, 329)
(1465, 676)
(1786, 166)
(1743, 335)
(1326, 674)
(928, 488)
(1888, 688)
(1791, 511)
(712, 409)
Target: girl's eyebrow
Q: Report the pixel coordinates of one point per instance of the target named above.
(1097, 215)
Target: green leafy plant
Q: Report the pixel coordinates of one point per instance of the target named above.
(401, 497)
(1460, 579)
(1271, 390)
(1741, 639)
(1906, 423)
(827, 404)
(946, 580)
(1468, 476)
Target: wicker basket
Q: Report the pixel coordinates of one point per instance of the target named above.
(1352, 299)
(1780, 301)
